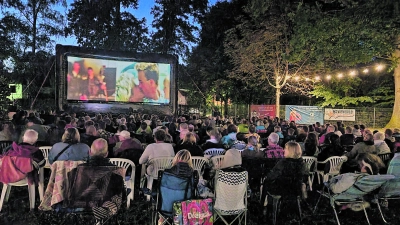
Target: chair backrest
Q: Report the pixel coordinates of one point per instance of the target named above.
(173, 188)
(214, 151)
(385, 157)
(4, 145)
(89, 186)
(160, 164)
(309, 160)
(198, 163)
(365, 185)
(217, 161)
(230, 191)
(124, 163)
(335, 163)
(45, 151)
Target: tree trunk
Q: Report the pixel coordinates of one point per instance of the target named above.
(226, 107)
(395, 120)
(277, 101)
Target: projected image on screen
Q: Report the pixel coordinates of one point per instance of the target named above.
(114, 80)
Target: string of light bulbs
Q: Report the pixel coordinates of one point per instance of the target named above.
(352, 73)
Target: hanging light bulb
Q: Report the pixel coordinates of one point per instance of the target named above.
(328, 77)
(340, 75)
(379, 67)
(353, 73)
(366, 70)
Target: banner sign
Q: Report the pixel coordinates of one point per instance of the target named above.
(262, 111)
(340, 114)
(304, 114)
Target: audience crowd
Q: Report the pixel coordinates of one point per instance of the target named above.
(142, 137)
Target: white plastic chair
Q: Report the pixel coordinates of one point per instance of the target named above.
(214, 151)
(335, 163)
(45, 151)
(231, 196)
(130, 183)
(5, 193)
(217, 161)
(198, 163)
(159, 164)
(309, 160)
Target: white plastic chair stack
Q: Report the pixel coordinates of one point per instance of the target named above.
(217, 161)
(45, 151)
(158, 164)
(214, 151)
(231, 195)
(335, 163)
(198, 163)
(309, 160)
(130, 183)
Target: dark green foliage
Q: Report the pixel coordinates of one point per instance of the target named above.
(107, 25)
(174, 23)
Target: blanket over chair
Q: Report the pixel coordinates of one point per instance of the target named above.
(55, 191)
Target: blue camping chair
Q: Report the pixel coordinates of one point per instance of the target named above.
(367, 185)
(172, 188)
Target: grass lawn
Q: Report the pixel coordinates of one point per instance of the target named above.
(16, 211)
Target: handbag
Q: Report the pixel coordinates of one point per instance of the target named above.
(193, 212)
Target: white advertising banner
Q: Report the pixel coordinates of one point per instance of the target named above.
(340, 114)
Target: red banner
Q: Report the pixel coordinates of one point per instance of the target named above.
(262, 111)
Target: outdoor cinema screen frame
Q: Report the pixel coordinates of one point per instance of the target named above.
(100, 76)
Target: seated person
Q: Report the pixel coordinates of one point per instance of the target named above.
(332, 149)
(347, 138)
(158, 149)
(289, 137)
(369, 164)
(380, 144)
(232, 161)
(273, 150)
(97, 184)
(26, 149)
(126, 142)
(69, 148)
(252, 149)
(144, 128)
(189, 143)
(288, 174)
(310, 144)
(182, 165)
(213, 142)
(90, 135)
(367, 146)
(229, 139)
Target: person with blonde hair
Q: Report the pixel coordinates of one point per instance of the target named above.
(286, 178)
(69, 148)
(380, 144)
(189, 143)
(182, 165)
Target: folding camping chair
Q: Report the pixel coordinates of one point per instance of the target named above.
(172, 188)
(367, 185)
(231, 196)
